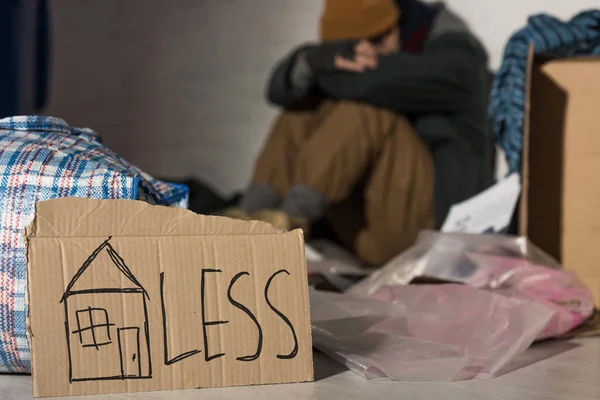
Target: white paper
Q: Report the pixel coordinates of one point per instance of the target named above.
(489, 211)
(312, 254)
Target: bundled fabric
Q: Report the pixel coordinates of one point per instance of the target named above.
(43, 158)
(580, 36)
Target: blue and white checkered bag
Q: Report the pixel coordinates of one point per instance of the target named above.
(43, 158)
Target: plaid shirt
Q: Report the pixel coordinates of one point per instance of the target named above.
(43, 158)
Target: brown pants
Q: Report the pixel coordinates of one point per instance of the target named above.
(369, 164)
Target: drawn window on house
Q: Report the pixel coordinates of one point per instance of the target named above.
(93, 327)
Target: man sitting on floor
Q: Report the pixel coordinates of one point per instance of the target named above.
(382, 130)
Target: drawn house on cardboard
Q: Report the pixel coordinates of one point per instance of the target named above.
(106, 320)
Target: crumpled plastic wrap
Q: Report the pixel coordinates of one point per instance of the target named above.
(429, 333)
(444, 256)
(333, 265)
(510, 294)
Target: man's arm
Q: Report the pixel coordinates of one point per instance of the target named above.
(438, 80)
(292, 83)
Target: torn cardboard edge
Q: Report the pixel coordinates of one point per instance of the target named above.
(74, 217)
(157, 298)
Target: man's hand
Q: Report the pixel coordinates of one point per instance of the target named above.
(365, 57)
(347, 55)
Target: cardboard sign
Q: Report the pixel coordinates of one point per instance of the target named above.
(127, 297)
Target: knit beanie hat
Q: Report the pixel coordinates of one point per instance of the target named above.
(357, 19)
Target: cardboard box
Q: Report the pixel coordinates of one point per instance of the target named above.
(559, 209)
(128, 297)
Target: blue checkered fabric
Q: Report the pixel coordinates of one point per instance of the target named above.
(580, 36)
(43, 158)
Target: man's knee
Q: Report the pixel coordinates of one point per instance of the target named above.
(290, 127)
(379, 120)
(293, 118)
(356, 108)
(371, 249)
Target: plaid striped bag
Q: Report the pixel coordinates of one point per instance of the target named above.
(43, 158)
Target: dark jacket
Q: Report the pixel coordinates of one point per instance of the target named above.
(443, 90)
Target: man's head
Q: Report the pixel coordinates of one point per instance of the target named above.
(387, 42)
(374, 20)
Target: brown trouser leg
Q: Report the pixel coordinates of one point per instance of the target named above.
(341, 145)
(398, 196)
(276, 164)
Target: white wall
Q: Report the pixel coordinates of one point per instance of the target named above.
(494, 20)
(177, 86)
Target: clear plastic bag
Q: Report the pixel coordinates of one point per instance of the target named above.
(508, 264)
(444, 256)
(511, 294)
(437, 333)
(333, 265)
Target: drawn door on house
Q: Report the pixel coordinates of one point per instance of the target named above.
(129, 351)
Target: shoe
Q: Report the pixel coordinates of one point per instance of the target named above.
(237, 213)
(280, 220)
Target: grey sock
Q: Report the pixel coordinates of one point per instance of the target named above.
(259, 196)
(304, 201)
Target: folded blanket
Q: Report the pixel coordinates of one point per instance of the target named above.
(580, 36)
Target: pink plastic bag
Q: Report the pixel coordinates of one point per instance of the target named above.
(506, 264)
(559, 290)
(445, 256)
(511, 294)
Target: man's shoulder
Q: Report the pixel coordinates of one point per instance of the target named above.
(449, 30)
(455, 40)
(447, 21)
(458, 46)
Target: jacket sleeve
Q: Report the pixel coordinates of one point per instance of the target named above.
(440, 79)
(287, 89)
